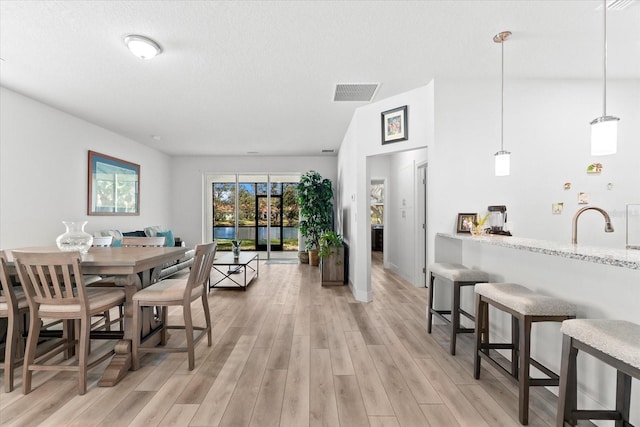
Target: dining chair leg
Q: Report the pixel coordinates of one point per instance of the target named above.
(11, 346)
(83, 354)
(188, 329)
(30, 351)
(207, 317)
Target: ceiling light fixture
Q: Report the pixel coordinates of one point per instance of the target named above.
(142, 47)
(502, 157)
(604, 129)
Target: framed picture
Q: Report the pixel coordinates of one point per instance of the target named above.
(114, 186)
(466, 221)
(395, 126)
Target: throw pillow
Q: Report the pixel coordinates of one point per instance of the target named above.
(168, 237)
(116, 234)
(153, 231)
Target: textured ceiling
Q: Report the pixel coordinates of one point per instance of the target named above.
(259, 76)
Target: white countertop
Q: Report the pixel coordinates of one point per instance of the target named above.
(626, 258)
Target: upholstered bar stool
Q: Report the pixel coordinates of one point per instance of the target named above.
(525, 307)
(459, 276)
(614, 342)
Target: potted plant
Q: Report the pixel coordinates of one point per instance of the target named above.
(314, 195)
(333, 258)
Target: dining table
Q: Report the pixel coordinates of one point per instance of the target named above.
(133, 268)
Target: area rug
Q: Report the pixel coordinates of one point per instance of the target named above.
(281, 261)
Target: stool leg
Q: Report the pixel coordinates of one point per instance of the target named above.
(432, 280)
(481, 330)
(455, 317)
(515, 341)
(623, 398)
(567, 394)
(524, 369)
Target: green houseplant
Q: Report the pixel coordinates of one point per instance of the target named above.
(315, 198)
(333, 258)
(330, 244)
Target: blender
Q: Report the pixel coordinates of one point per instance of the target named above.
(497, 219)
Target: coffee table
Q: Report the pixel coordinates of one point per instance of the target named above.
(229, 266)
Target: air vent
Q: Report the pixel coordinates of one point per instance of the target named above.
(617, 4)
(355, 92)
(328, 151)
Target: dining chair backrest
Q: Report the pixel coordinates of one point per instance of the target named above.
(131, 241)
(7, 295)
(51, 278)
(102, 242)
(201, 268)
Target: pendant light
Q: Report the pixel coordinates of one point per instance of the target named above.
(502, 157)
(604, 129)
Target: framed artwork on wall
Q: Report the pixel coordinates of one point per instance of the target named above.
(466, 221)
(395, 125)
(113, 186)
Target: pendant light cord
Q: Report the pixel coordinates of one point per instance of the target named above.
(502, 99)
(604, 61)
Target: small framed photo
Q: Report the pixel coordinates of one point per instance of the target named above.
(395, 126)
(466, 221)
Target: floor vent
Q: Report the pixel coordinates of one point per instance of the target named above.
(355, 92)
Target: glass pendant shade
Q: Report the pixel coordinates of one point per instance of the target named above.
(503, 163)
(604, 135)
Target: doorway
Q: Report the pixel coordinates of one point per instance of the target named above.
(269, 223)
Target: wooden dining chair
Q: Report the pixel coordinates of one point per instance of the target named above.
(94, 280)
(132, 241)
(176, 292)
(14, 308)
(55, 289)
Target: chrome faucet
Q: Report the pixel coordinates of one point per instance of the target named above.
(608, 228)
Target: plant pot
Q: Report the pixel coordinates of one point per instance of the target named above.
(314, 259)
(332, 268)
(303, 257)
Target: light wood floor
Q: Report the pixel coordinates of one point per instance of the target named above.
(289, 352)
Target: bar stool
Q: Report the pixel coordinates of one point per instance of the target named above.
(614, 342)
(460, 276)
(525, 307)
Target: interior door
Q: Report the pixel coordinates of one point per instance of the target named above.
(269, 223)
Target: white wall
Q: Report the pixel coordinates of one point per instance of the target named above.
(363, 141)
(546, 127)
(188, 192)
(43, 173)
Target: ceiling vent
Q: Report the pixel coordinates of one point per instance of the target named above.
(355, 92)
(617, 4)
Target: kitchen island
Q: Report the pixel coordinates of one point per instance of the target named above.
(602, 282)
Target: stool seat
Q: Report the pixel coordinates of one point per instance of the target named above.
(617, 338)
(525, 301)
(457, 272)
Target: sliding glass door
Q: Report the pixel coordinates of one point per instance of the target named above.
(260, 210)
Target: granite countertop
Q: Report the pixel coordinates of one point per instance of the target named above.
(626, 258)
